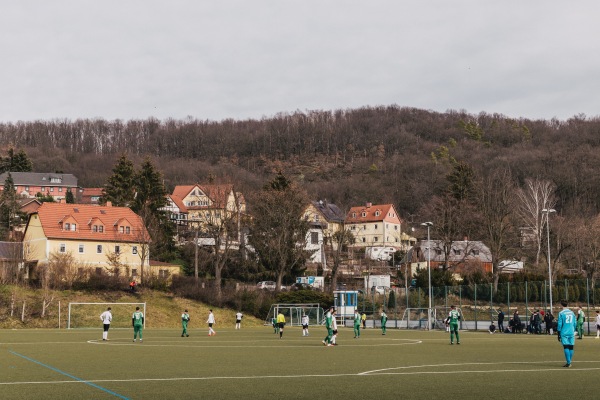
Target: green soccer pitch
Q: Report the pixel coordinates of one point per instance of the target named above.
(253, 363)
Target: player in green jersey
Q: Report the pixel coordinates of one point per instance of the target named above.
(275, 326)
(357, 321)
(453, 318)
(329, 327)
(137, 321)
(580, 321)
(383, 322)
(185, 318)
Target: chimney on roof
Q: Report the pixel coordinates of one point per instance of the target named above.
(369, 204)
(109, 204)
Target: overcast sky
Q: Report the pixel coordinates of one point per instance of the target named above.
(217, 59)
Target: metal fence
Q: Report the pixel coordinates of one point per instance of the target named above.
(480, 303)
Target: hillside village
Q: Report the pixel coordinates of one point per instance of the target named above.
(62, 218)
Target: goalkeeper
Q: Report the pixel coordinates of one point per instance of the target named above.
(566, 328)
(185, 318)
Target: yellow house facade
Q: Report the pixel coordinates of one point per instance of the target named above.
(99, 238)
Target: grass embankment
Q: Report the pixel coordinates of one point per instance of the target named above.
(163, 309)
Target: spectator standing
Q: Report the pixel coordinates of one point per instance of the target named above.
(597, 324)
(363, 317)
(500, 320)
(517, 321)
(549, 321)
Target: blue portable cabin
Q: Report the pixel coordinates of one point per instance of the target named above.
(345, 301)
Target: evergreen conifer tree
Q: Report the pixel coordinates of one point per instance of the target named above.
(119, 188)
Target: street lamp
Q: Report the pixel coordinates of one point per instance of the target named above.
(547, 211)
(428, 225)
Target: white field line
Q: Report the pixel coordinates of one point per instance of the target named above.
(361, 374)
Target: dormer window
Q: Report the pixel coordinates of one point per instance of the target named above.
(364, 214)
(353, 215)
(55, 180)
(98, 228)
(67, 227)
(377, 213)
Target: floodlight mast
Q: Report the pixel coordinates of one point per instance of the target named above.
(547, 211)
(429, 310)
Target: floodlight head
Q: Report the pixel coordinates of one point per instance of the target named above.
(428, 223)
(548, 210)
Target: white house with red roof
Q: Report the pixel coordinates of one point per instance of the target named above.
(375, 225)
(208, 202)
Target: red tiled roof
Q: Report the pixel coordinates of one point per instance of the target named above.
(51, 214)
(92, 191)
(217, 193)
(384, 210)
(179, 203)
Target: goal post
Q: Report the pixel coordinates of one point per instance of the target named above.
(293, 313)
(87, 315)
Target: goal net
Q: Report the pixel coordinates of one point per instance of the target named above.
(416, 318)
(293, 313)
(87, 315)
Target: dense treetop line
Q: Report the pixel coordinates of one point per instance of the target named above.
(380, 154)
(483, 176)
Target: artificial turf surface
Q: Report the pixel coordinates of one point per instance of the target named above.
(253, 363)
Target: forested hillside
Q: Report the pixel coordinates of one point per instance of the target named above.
(381, 154)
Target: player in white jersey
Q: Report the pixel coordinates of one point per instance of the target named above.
(304, 325)
(335, 329)
(106, 318)
(238, 320)
(211, 321)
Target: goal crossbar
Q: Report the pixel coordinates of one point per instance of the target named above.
(142, 305)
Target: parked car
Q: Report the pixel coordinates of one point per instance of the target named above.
(301, 286)
(266, 285)
(378, 289)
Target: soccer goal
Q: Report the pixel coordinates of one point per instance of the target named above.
(293, 313)
(87, 315)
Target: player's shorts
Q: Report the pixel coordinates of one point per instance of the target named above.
(598, 327)
(106, 326)
(304, 326)
(567, 340)
(210, 324)
(237, 321)
(335, 331)
(281, 325)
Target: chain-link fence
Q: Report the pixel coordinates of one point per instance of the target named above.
(480, 303)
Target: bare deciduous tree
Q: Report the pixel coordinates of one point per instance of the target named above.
(537, 195)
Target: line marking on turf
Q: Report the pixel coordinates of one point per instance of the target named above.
(207, 378)
(69, 375)
(316, 344)
(381, 371)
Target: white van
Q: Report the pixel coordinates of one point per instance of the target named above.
(266, 285)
